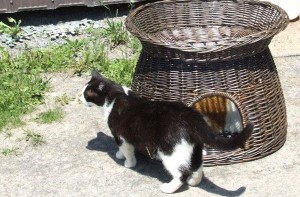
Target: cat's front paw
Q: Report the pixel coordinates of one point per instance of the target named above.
(130, 163)
(119, 155)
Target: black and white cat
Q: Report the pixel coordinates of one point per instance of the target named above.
(175, 131)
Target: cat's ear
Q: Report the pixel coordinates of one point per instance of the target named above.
(96, 74)
(100, 83)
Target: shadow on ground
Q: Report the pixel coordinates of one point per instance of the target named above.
(154, 168)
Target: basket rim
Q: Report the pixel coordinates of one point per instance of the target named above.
(280, 25)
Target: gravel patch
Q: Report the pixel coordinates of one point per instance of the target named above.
(54, 27)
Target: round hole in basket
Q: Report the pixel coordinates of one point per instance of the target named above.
(222, 113)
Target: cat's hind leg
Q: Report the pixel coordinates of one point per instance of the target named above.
(195, 178)
(120, 155)
(172, 186)
(176, 164)
(127, 151)
(196, 166)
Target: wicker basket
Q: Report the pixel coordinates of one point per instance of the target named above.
(193, 49)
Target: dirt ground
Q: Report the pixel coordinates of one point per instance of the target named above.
(78, 157)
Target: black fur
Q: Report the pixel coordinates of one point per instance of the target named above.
(159, 125)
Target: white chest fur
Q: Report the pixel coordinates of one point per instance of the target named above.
(107, 108)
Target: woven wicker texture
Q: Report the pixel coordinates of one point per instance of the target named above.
(213, 29)
(193, 49)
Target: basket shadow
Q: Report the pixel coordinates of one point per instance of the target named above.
(154, 168)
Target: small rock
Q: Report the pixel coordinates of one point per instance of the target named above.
(11, 45)
(8, 42)
(3, 40)
(52, 37)
(45, 35)
(8, 38)
(31, 33)
(96, 26)
(26, 37)
(73, 33)
(63, 35)
(16, 37)
(89, 22)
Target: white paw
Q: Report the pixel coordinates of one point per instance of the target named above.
(168, 188)
(119, 155)
(193, 181)
(171, 187)
(196, 177)
(129, 163)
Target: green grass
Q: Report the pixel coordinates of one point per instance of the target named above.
(53, 115)
(35, 138)
(135, 45)
(22, 86)
(9, 151)
(120, 70)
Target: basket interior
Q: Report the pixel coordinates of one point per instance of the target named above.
(204, 25)
(209, 37)
(221, 113)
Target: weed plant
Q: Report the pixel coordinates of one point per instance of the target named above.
(13, 29)
(64, 99)
(9, 151)
(50, 116)
(35, 138)
(115, 33)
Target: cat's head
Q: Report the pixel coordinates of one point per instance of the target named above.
(97, 90)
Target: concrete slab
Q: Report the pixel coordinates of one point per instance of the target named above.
(78, 159)
(287, 42)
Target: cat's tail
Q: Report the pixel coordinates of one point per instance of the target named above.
(238, 141)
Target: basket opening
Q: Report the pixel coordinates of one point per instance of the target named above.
(221, 113)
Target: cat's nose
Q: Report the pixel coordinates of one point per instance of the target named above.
(81, 99)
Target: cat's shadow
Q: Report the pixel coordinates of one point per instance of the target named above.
(153, 168)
